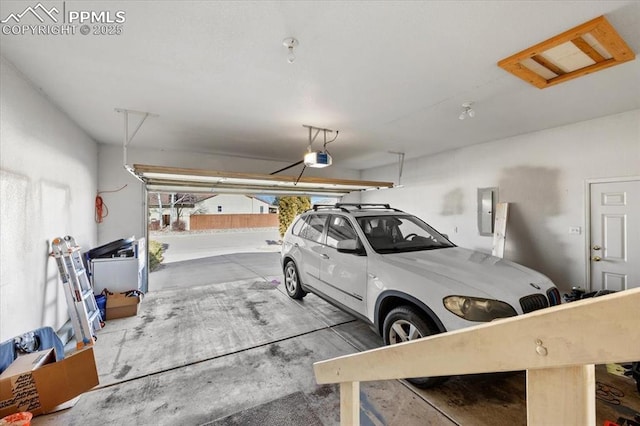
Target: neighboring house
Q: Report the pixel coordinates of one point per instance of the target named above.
(234, 204)
(165, 208)
(162, 214)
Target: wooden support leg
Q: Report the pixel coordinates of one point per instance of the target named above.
(350, 404)
(561, 396)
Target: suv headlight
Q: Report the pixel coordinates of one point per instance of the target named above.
(476, 309)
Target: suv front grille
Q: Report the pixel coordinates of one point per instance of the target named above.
(533, 303)
(554, 296)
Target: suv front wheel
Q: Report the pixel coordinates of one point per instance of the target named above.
(403, 324)
(292, 281)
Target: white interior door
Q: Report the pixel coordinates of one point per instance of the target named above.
(615, 235)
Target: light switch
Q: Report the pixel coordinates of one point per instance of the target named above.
(575, 230)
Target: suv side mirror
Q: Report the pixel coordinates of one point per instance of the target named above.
(349, 246)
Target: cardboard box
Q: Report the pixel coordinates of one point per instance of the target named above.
(29, 362)
(38, 384)
(120, 306)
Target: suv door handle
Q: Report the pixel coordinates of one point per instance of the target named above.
(324, 256)
(296, 245)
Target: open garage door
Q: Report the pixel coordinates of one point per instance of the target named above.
(159, 178)
(190, 189)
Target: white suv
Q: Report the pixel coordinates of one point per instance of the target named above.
(391, 269)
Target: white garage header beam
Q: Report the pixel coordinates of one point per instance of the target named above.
(199, 180)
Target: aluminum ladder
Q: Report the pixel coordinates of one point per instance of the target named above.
(81, 303)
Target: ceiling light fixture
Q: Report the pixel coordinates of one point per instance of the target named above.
(290, 43)
(467, 111)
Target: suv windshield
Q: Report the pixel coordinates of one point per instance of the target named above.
(397, 234)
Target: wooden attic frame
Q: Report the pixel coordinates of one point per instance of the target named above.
(597, 39)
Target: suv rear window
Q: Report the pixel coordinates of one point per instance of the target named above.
(295, 230)
(313, 227)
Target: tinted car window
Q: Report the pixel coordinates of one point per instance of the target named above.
(313, 228)
(340, 229)
(395, 234)
(295, 230)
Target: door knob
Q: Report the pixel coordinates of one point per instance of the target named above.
(596, 247)
(596, 258)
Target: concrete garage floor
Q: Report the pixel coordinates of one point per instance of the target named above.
(222, 344)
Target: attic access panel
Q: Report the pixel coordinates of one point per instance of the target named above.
(585, 49)
(159, 178)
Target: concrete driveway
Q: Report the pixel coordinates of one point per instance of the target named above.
(195, 245)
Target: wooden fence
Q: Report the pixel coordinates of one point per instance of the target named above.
(233, 221)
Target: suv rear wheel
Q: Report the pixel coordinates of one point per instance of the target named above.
(403, 324)
(292, 281)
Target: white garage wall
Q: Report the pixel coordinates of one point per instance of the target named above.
(542, 174)
(48, 180)
(126, 207)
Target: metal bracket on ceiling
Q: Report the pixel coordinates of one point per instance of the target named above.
(400, 165)
(126, 138)
(312, 137)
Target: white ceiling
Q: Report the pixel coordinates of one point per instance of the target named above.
(391, 76)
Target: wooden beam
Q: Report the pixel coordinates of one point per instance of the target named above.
(211, 187)
(548, 65)
(582, 71)
(526, 74)
(587, 49)
(141, 169)
(500, 230)
(561, 396)
(591, 331)
(350, 404)
(612, 42)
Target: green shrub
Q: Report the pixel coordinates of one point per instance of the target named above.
(289, 208)
(155, 255)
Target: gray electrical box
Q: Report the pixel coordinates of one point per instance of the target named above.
(487, 199)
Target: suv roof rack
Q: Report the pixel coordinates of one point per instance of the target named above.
(317, 207)
(360, 206)
(357, 206)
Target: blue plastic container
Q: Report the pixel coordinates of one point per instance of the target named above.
(101, 301)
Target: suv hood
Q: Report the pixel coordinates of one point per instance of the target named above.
(488, 275)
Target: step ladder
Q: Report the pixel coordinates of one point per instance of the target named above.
(83, 309)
